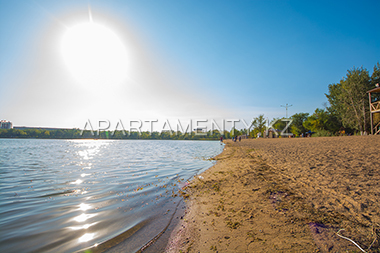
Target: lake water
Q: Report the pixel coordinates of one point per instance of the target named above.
(69, 195)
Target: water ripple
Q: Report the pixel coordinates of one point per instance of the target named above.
(68, 195)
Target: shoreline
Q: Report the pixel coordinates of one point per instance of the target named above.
(285, 195)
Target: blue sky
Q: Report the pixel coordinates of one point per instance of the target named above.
(221, 59)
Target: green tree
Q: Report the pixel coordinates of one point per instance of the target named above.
(349, 100)
(259, 125)
(145, 135)
(119, 134)
(35, 133)
(315, 121)
(297, 126)
(155, 135)
(375, 77)
(234, 132)
(322, 120)
(134, 135)
(165, 135)
(226, 134)
(279, 124)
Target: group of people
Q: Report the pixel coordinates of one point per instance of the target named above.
(307, 134)
(233, 138)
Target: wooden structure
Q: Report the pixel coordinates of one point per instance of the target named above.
(374, 107)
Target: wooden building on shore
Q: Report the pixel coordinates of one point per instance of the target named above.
(374, 107)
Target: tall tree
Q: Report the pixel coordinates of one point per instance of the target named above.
(235, 132)
(259, 125)
(349, 100)
(322, 120)
(297, 123)
(375, 77)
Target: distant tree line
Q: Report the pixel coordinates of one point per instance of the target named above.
(348, 108)
(348, 111)
(120, 135)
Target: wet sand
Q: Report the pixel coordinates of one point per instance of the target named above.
(285, 195)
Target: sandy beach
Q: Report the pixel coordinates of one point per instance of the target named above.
(285, 195)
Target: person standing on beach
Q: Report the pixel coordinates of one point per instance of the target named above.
(239, 138)
(221, 138)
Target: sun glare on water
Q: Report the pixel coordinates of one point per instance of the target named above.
(95, 55)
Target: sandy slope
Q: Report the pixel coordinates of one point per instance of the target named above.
(287, 195)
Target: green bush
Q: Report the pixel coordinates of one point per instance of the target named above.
(322, 133)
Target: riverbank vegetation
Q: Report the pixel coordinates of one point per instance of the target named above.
(119, 135)
(347, 113)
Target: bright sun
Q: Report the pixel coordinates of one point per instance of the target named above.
(95, 55)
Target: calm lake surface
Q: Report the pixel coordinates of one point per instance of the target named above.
(68, 195)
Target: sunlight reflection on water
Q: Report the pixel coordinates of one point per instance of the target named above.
(78, 181)
(85, 226)
(84, 217)
(84, 206)
(96, 189)
(86, 237)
